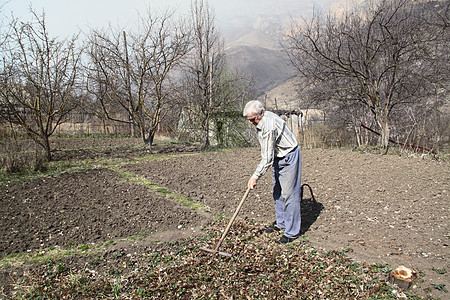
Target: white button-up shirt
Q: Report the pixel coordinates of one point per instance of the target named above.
(275, 139)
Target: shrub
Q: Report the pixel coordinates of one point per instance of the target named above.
(21, 157)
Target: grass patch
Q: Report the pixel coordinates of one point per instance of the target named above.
(131, 177)
(55, 168)
(440, 287)
(440, 271)
(139, 236)
(55, 253)
(37, 256)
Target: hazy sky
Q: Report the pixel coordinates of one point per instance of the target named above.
(66, 17)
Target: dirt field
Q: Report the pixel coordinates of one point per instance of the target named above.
(381, 209)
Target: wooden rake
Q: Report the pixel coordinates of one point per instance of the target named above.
(225, 232)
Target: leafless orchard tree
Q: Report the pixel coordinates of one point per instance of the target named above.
(3, 28)
(213, 91)
(38, 79)
(207, 56)
(203, 63)
(130, 74)
(385, 56)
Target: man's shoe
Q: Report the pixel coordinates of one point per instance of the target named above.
(272, 228)
(284, 239)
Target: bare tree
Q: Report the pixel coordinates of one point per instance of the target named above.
(130, 74)
(206, 58)
(214, 92)
(38, 79)
(3, 29)
(383, 56)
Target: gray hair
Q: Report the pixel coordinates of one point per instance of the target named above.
(253, 106)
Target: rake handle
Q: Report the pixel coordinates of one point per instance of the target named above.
(225, 232)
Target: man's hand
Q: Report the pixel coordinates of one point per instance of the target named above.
(251, 183)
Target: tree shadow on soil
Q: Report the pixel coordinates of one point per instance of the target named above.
(310, 209)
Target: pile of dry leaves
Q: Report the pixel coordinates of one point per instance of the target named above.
(259, 268)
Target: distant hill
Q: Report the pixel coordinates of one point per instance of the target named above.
(253, 42)
(259, 56)
(255, 38)
(284, 96)
(267, 68)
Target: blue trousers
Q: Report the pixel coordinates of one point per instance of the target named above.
(286, 179)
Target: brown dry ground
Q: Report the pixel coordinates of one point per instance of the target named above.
(383, 209)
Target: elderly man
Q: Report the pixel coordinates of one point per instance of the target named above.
(279, 149)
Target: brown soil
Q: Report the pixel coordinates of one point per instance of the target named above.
(382, 209)
(88, 207)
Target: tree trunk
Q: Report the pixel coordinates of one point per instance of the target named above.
(149, 140)
(206, 128)
(385, 130)
(383, 121)
(220, 133)
(47, 149)
(358, 135)
(402, 276)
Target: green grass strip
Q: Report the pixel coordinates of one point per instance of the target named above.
(52, 253)
(131, 177)
(56, 168)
